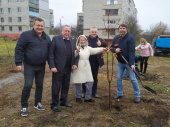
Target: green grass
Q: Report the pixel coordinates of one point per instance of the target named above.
(7, 49)
(62, 122)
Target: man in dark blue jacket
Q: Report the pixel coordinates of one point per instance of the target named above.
(32, 51)
(125, 44)
(95, 60)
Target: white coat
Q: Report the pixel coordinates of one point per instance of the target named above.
(83, 73)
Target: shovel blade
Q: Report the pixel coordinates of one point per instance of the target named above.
(149, 89)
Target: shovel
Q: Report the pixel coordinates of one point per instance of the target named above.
(146, 87)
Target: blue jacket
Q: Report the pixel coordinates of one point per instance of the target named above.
(100, 59)
(32, 49)
(127, 46)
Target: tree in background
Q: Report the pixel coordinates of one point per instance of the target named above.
(155, 30)
(133, 27)
(74, 32)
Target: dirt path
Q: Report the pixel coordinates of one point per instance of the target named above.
(11, 79)
(152, 111)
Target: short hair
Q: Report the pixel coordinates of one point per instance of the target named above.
(94, 28)
(123, 25)
(38, 19)
(65, 26)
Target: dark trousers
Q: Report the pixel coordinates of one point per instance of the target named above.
(145, 61)
(60, 80)
(95, 70)
(29, 73)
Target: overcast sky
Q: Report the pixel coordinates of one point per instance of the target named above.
(150, 12)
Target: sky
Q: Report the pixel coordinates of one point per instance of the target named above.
(150, 12)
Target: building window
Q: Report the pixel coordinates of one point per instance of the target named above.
(20, 28)
(31, 19)
(9, 1)
(9, 19)
(112, 2)
(110, 22)
(9, 10)
(1, 10)
(10, 28)
(2, 19)
(19, 19)
(111, 12)
(34, 1)
(112, 32)
(2, 28)
(33, 9)
(19, 9)
(19, 1)
(0, 1)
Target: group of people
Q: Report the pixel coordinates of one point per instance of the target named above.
(77, 63)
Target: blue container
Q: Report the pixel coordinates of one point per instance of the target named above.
(163, 42)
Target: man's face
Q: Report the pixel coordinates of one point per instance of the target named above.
(122, 30)
(38, 27)
(66, 31)
(93, 33)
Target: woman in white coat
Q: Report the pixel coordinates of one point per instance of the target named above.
(83, 73)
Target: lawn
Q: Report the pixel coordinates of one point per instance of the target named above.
(7, 47)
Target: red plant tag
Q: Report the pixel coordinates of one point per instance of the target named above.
(115, 55)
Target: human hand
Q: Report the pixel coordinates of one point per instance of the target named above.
(118, 50)
(99, 42)
(74, 67)
(106, 49)
(78, 49)
(19, 68)
(132, 67)
(54, 70)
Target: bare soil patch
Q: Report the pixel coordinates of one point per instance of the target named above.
(152, 111)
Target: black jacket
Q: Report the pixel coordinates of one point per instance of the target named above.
(100, 59)
(32, 49)
(58, 53)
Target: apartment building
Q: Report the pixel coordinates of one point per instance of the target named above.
(17, 16)
(105, 14)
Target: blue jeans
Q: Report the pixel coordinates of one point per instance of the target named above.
(120, 70)
(29, 73)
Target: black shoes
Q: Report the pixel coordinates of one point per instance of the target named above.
(117, 97)
(55, 109)
(95, 95)
(66, 104)
(90, 100)
(78, 100)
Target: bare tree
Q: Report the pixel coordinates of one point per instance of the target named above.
(155, 30)
(133, 27)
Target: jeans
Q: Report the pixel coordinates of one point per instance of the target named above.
(120, 70)
(29, 73)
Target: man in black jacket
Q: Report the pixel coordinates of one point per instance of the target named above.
(62, 60)
(95, 60)
(32, 51)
